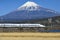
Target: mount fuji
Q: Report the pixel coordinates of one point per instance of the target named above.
(29, 11)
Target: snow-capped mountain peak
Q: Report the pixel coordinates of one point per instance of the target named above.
(29, 3)
(29, 6)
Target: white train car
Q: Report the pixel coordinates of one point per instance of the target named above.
(21, 25)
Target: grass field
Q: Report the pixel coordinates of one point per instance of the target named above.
(29, 36)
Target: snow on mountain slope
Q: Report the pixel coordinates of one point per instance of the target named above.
(29, 6)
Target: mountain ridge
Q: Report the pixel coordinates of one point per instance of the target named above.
(30, 13)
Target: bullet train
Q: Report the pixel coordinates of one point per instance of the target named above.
(21, 25)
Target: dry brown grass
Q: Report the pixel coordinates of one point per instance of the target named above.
(29, 36)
